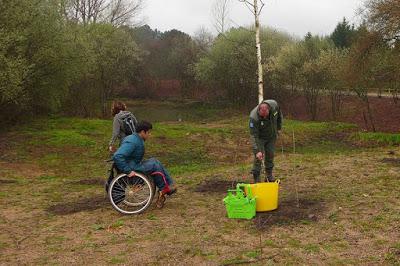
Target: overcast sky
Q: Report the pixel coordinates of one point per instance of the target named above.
(293, 16)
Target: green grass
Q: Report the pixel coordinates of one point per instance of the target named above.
(378, 137)
(316, 127)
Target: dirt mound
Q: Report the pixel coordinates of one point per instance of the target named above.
(215, 185)
(392, 161)
(89, 181)
(7, 181)
(85, 204)
(289, 212)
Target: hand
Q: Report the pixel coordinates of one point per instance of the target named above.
(260, 156)
(111, 149)
(133, 173)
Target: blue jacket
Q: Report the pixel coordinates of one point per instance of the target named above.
(130, 154)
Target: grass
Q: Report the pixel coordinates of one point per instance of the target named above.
(348, 196)
(378, 137)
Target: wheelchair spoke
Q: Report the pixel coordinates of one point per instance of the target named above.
(131, 195)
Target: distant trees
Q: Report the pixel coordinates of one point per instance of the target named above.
(33, 57)
(108, 59)
(76, 55)
(231, 65)
(384, 17)
(171, 54)
(343, 35)
(115, 12)
(52, 62)
(361, 60)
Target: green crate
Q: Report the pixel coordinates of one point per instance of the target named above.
(238, 205)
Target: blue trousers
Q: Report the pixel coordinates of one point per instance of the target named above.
(153, 165)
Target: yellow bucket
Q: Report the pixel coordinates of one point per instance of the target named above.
(266, 195)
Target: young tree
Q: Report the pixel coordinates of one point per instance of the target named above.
(256, 7)
(203, 39)
(231, 67)
(313, 77)
(332, 63)
(220, 15)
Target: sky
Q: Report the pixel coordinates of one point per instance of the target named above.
(296, 17)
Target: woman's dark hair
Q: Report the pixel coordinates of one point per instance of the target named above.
(116, 107)
(144, 125)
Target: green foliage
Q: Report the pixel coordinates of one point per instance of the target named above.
(168, 55)
(32, 55)
(49, 63)
(231, 64)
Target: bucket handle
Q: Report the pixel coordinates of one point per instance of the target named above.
(239, 192)
(245, 186)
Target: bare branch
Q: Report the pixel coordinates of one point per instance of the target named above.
(220, 12)
(246, 2)
(117, 12)
(262, 6)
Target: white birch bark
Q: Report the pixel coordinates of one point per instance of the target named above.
(256, 10)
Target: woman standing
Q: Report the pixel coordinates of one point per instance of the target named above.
(124, 124)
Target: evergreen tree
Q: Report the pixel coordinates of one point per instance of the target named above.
(343, 34)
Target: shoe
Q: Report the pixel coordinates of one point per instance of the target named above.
(270, 178)
(172, 190)
(161, 200)
(106, 185)
(256, 178)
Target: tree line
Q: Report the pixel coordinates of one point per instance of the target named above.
(74, 56)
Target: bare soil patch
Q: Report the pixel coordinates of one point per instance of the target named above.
(392, 161)
(85, 204)
(290, 211)
(90, 181)
(352, 112)
(7, 181)
(216, 185)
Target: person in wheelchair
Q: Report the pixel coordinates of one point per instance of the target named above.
(129, 159)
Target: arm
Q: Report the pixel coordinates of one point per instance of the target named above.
(120, 156)
(115, 132)
(254, 133)
(280, 119)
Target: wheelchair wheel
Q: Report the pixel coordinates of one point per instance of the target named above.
(131, 195)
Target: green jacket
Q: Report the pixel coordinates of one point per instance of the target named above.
(262, 130)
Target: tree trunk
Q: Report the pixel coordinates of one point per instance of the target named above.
(259, 58)
(371, 119)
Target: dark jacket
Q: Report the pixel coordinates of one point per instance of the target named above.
(265, 129)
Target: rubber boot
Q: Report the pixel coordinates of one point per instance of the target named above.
(256, 177)
(269, 177)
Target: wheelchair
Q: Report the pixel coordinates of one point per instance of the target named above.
(130, 195)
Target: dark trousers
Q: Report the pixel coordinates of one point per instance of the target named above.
(269, 152)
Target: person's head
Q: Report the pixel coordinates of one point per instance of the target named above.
(263, 110)
(144, 129)
(116, 107)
